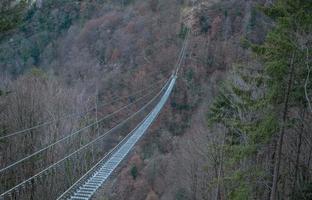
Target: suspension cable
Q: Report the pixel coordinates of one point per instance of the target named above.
(75, 114)
(88, 144)
(178, 65)
(74, 133)
(101, 160)
(182, 53)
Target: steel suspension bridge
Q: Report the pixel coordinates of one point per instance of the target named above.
(87, 185)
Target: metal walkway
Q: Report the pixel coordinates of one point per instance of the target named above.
(87, 189)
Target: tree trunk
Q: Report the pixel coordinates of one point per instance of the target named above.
(218, 191)
(282, 132)
(298, 154)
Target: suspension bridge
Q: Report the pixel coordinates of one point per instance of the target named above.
(88, 183)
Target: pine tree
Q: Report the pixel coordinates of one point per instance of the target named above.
(283, 55)
(257, 121)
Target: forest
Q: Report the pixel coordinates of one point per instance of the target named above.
(237, 125)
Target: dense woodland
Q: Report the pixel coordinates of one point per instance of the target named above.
(237, 126)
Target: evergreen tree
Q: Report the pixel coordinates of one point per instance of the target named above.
(283, 54)
(11, 14)
(258, 120)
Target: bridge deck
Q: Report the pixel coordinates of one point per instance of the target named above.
(89, 187)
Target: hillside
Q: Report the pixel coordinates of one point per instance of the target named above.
(237, 125)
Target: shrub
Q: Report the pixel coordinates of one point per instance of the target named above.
(134, 172)
(181, 194)
(204, 22)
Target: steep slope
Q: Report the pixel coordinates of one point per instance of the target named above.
(176, 160)
(66, 58)
(69, 56)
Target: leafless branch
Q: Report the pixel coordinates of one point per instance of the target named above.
(307, 81)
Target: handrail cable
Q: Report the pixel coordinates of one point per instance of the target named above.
(74, 133)
(75, 114)
(182, 52)
(178, 65)
(109, 153)
(88, 144)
